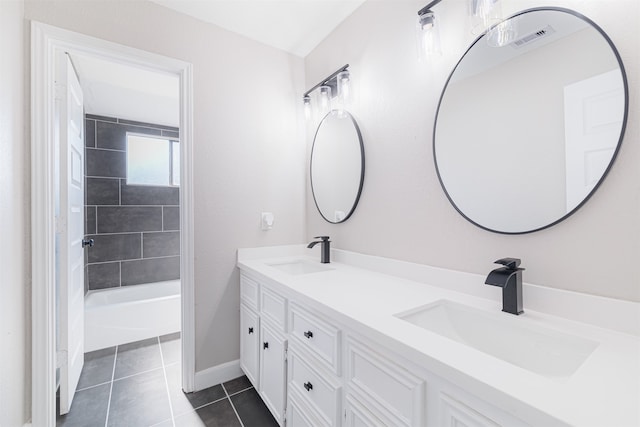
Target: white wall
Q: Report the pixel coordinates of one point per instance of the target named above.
(403, 212)
(248, 153)
(15, 358)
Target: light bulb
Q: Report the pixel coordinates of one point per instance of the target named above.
(484, 14)
(325, 100)
(307, 106)
(502, 34)
(344, 88)
(428, 35)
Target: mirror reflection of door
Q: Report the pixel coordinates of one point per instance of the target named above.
(593, 111)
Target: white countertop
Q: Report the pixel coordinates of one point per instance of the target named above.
(604, 391)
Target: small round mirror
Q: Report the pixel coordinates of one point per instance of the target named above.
(337, 166)
(526, 132)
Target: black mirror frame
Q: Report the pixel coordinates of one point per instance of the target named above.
(613, 158)
(357, 198)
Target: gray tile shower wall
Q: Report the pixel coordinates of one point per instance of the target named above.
(136, 228)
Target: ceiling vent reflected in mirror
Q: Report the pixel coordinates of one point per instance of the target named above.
(528, 39)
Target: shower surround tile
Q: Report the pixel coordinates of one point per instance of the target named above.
(114, 247)
(171, 218)
(150, 270)
(102, 191)
(106, 163)
(161, 244)
(104, 275)
(149, 195)
(118, 214)
(122, 219)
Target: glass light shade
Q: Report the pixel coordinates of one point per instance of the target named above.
(502, 34)
(325, 100)
(307, 106)
(484, 14)
(343, 81)
(428, 36)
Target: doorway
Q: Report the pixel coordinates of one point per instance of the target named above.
(48, 45)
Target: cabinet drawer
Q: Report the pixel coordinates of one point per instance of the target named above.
(273, 307)
(386, 386)
(357, 415)
(318, 336)
(453, 413)
(317, 390)
(249, 291)
(299, 414)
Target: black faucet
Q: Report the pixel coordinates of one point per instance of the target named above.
(326, 253)
(509, 278)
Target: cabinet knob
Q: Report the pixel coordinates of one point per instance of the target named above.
(308, 334)
(265, 345)
(308, 386)
(250, 330)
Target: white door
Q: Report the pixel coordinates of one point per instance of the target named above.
(594, 109)
(70, 222)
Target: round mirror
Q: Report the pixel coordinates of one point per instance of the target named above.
(337, 166)
(526, 132)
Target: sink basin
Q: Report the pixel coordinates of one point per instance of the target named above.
(300, 267)
(537, 349)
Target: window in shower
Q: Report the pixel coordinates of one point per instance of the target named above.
(153, 161)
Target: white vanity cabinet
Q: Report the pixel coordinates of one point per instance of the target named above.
(313, 371)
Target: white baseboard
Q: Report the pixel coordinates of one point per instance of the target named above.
(217, 374)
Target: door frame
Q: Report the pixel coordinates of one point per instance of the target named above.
(46, 40)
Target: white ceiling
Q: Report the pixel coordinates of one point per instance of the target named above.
(295, 26)
(127, 92)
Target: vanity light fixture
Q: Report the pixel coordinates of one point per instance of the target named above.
(427, 32)
(486, 15)
(337, 85)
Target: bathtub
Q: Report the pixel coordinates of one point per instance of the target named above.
(130, 313)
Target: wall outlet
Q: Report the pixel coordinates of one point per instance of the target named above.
(266, 220)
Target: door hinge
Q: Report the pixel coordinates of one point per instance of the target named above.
(61, 358)
(286, 354)
(61, 225)
(59, 91)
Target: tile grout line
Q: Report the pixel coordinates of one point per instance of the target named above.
(241, 391)
(166, 383)
(113, 373)
(232, 406)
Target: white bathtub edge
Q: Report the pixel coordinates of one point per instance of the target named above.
(217, 374)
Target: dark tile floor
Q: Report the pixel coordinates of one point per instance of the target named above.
(138, 385)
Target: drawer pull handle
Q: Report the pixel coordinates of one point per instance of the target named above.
(308, 386)
(308, 334)
(265, 345)
(250, 330)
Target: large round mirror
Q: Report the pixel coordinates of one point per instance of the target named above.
(337, 166)
(526, 132)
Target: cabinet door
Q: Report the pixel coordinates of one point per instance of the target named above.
(250, 344)
(273, 372)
